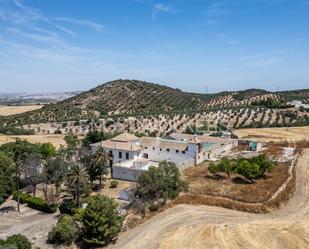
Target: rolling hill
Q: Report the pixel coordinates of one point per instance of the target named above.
(133, 97)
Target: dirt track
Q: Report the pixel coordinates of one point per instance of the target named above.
(188, 226)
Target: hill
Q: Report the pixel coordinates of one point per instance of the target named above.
(132, 98)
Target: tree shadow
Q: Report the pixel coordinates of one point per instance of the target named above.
(240, 180)
(217, 177)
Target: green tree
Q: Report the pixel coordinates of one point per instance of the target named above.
(160, 182)
(77, 177)
(72, 142)
(93, 136)
(64, 232)
(47, 150)
(32, 170)
(101, 158)
(265, 164)
(225, 165)
(101, 220)
(19, 241)
(248, 170)
(55, 170)
(213, 168)
(6, 176)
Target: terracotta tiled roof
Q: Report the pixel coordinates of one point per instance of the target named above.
(109, 144)
(125, 137)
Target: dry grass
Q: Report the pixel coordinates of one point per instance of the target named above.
(11, 110)
(201, 182)
(274, 134)
(54, 139)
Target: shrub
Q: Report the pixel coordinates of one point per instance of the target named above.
(23, 197)
(41, 205)
(101, 221)
(36, 203)
(78, 215)
(114, 184)
(18, 241)
(65, 231)
(68, 208)
(154, 206)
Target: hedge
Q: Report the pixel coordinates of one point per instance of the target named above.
(36, 203)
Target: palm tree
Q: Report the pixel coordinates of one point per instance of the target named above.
(101, 158)
(77, 177)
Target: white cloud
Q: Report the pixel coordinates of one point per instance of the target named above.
(90, 24)
(162, 7)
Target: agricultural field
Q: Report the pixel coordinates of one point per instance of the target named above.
(12, 110)
(55, 139)
(202, 182)
(274, 134)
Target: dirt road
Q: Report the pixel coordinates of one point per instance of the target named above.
(186, 226)
(35, 225)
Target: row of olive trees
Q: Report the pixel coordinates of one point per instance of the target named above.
(250, 169)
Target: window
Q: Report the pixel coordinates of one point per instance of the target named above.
(153, 148)
(120, 154)
(167, 150)
(183, 152)
(127, 156)
(177, 151)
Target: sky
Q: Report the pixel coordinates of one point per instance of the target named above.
(69, 45)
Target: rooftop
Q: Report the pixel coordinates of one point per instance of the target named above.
(125, 137)
(198, 138)
(163, 143)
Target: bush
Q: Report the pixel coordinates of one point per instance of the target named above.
(68, 207)
(154, 206)
(36, 203)
(65, 231)
(16, 241)
(113, 184)
(41, 205)
(9, 130)
(78, 215)
(23, 197)
(101, 221)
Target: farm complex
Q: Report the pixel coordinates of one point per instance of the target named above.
(132, 155)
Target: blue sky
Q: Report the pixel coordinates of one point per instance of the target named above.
(57, 45)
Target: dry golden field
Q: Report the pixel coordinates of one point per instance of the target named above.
(56, 140)
(275, 134)
(11, 110)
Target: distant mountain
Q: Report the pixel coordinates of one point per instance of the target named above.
(133, 97)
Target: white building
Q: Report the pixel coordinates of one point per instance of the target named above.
(297, 104)
(121, 148)
(132, 156)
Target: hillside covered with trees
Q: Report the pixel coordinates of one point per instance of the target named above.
(132, 98)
